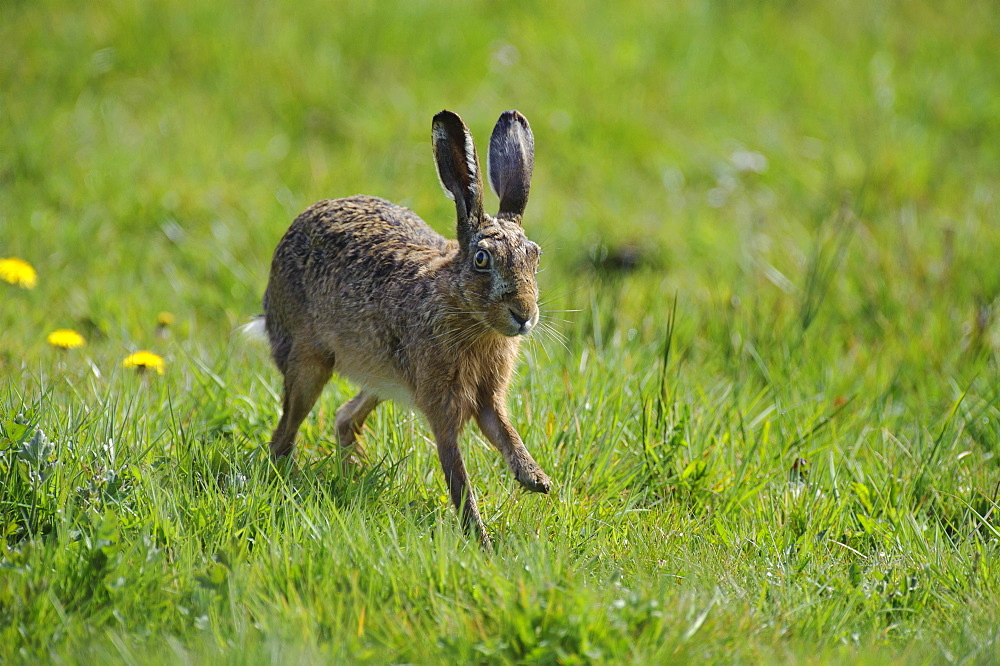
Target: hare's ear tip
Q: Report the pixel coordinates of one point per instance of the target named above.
(513, 115)
(446, 115)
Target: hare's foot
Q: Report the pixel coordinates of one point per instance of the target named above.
(495, 424)
(531, 476)
(352, 460)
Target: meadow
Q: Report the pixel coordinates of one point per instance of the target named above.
(767, 388)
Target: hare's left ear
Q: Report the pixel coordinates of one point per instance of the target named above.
(511, 160)
(458, 169)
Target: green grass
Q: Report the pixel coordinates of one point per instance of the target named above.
(774, 437)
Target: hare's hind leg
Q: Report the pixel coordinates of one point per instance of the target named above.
(496, 425)
(350, 419)
(305, 377)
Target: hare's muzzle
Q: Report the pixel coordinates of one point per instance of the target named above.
(522, 323)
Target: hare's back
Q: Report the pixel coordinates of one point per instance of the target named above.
(339, 249)
(363, 222)
(351, 240)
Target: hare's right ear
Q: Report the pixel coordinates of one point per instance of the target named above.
(458, 169)
(511, 160)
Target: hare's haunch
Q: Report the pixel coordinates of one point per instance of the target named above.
(364, 288)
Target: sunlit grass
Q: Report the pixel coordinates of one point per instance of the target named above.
(766, 388)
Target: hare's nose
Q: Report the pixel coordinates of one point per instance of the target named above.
(518, 318)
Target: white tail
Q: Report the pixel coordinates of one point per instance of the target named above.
(254, 329)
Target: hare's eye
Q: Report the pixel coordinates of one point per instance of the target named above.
(482, 259)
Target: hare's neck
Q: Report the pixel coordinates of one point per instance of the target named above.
(486, 363)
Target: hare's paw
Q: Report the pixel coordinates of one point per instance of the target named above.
(352, 460)
(533, 478)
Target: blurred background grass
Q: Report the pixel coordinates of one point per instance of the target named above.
(153, 153)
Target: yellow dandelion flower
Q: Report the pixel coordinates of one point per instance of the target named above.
(165, 319)
(64, 338)
(143, 360)
(18, 272)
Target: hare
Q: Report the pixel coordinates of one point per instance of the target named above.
(364, 288)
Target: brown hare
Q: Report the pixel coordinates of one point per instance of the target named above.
(364, 288)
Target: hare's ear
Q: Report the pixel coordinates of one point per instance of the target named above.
(458, 169)
(511, 160)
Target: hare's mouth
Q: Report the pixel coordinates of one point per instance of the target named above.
(521, 324)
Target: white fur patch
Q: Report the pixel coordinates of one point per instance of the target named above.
(470, 156)
(254, 330)
(388, 390)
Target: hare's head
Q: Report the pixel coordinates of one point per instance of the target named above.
(498, 262)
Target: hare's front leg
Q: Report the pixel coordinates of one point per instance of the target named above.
(495, 424)
(446, 435)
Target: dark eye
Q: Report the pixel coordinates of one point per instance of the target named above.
(482, 259)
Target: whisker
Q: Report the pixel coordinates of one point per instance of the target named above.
(467, 334)
(558, 336)
(536, 342)
(566, 292)
(548, 332)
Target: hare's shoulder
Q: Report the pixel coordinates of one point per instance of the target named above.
(365, 217)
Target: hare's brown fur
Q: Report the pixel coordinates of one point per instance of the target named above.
(364, 288)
